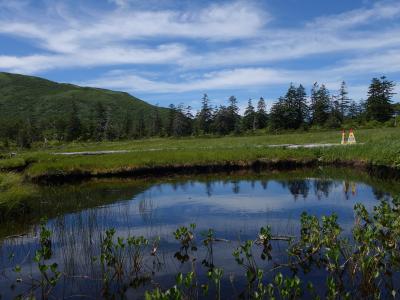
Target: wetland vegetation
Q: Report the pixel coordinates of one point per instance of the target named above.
(258, 235)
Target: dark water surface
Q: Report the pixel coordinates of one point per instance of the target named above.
(234, 205)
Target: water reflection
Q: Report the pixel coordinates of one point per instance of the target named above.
(234, 207)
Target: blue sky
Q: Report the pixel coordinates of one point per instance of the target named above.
(173, 51)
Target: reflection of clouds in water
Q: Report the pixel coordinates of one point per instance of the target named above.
(253, 200)
(234, 209)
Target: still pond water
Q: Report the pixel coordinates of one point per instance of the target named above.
(234, 205)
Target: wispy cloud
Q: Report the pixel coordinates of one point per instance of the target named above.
(162, 54)
(238, 78)
(217, 46)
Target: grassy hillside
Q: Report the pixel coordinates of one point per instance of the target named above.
(47, 105)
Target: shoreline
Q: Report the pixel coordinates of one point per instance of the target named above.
(157, 171)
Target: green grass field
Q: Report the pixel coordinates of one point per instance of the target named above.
(375, 146)
(379, 147)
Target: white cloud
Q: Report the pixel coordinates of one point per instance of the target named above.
(282, 46)
(239, 44)
(222, 22)
(162, 54)
(120, 3)
(379, 11)
(384, 63)
(227, 79)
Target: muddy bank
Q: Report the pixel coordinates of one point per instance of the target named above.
(381, 171)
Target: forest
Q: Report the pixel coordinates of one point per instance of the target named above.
(296, 110)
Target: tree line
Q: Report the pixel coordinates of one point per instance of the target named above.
(293, 111)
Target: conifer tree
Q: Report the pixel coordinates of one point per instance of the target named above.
(343, 100)
(262, 116)
(278, 114)
(320, 104)
(182, 124)
(170, 121)
(205, 115)
(249, 118)
(378, 105)
(302, 110)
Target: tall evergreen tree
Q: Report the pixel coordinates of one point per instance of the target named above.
(182, 125)
(378, 105)
(170, 120)
(262, 116)
(335, 118)
(205, 115)
(249, 119)
(343, 99)
(291, 111)
(278, 115)
(320, 104)
(291, 107)
(232, 117)
(222, 121)
(302, 110)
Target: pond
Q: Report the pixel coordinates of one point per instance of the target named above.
(234, 205)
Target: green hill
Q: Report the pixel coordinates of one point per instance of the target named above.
(45, 109)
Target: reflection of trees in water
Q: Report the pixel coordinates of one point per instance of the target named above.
(264, 184)
(146, 209)
(349, 188)
(381, 195)
(322, 188)
(209, 185)
(253, 184)
(298, 187)
(209, 188)
(235, 186)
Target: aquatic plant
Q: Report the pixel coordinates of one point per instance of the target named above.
(363, 265)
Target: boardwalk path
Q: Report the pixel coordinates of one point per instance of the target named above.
(289, 146)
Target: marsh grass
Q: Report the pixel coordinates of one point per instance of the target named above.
(376, 147)
(13, 193)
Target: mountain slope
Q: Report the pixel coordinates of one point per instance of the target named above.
(46, 105)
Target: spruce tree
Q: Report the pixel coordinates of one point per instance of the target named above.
(182, 124)
(249, 118)
(343, 99)
(320, 104)
(205, 115)
(231, 114)
(262, 116)
(378, 105)
(302, 110)
(277, 115)
(291, 106)
(170, 120)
